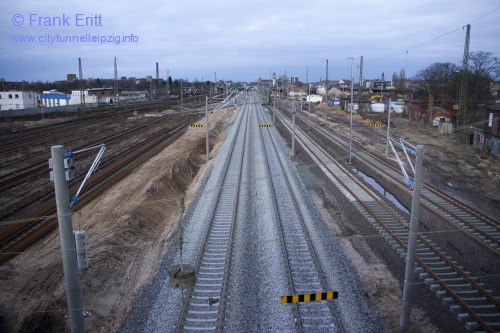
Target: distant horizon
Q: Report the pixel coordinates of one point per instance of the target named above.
(184, 80)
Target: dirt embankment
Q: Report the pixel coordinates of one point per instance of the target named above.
(127, 229)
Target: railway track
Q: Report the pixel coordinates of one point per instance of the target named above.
(301, 263)
(16, 237)
(473, 304)
(37, 171)
(204, 305)
(483, 229)
(12, 144)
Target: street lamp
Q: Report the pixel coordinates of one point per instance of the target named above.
(350, 110)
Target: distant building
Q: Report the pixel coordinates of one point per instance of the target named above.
(53, 98)
(76, 99)
(441, 116)
(417, 109)
(397, 107)
(134, 95)
(486, 138)
(320, 89)
(70, 77)
(314, 98)
(493, 121)
(15, 100)
(94, 95)
(344, 84)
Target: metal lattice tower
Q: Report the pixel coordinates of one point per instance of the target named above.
(326, 83)
(361, 74)
(82, 85)
(116, 84)
(462, 93)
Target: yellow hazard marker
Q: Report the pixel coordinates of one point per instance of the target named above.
(376, 125)
(196, 125)
(264, 125)
(304, 298)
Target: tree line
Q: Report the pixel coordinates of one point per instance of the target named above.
(439, 83)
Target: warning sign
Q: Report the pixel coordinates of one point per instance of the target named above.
(315, 297)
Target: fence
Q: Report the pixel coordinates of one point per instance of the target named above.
(44, 110)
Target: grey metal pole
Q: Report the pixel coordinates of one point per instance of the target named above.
(293, 131)
(388, 128)
(168, 83)
(412, 242)
(351, 110)
(326, 91)
(308, 100)
(274, 111)
(67, 239)
(300, 99)
(182, 93)
(206, 126)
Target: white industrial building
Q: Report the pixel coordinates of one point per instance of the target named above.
(15, 100)
(397, 107)
(75, 97)
(53, 98)
(314, 98)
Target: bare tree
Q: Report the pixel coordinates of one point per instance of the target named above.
(399, 81)
(484, 64)
(484, 68)
(438, 82)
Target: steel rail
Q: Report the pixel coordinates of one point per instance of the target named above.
(492, 245)
(305, 233)
(180, 327)
(43, 220)
(347, 187)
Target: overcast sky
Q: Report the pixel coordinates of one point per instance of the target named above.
(240, 40)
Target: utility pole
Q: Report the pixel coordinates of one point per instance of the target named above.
(168, 83)
(300, 99)
(361, 75)
(412, 243)
(157, 81)
(388, 128)
(462, 95)
(326, 88)
(61, 174)
(404, 82)
(293, 121)
(308, 100)
(206, 126)
(274, 111)
(215, 84)
(182, 93)
(116, 84)
(81, 84)
(351, 109)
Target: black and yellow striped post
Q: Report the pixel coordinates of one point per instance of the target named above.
(265, 125)
(376, 125)
(196, 125)
(314, 297)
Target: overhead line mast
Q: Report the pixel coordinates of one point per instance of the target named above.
(82, 85)
(462, 94)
